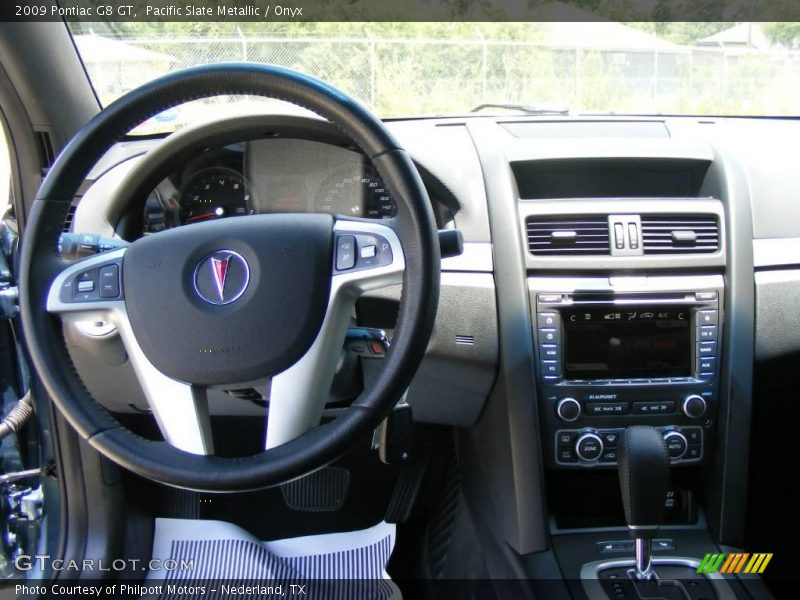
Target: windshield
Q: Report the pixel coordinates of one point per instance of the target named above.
(419, 69)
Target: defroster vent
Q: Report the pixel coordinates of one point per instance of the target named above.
(548, 236)
(680, 234)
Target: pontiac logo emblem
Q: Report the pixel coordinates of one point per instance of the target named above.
(220, 267)
(221, 277)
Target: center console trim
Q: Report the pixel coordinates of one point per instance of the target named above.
(590, 575)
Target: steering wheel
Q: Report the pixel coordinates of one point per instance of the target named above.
(231, 300)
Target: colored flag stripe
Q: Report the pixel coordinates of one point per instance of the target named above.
(728, 566)
(767, 558)
(737, 568)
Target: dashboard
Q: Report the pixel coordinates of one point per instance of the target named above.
(269, 176)
(616, 271)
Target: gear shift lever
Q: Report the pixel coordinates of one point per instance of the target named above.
(643, 468)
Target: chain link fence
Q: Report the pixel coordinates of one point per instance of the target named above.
(402, 77)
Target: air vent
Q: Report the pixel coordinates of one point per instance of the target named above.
(67, 227)
(567, 235)
(680, 234)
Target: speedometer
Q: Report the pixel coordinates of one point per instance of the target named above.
(215, 193)
(360, 194)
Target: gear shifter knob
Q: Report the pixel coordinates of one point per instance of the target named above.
(643, 465)
(643, 478)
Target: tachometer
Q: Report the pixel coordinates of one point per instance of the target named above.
(215, 193)
(357, 194)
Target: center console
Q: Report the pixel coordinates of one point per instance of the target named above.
(625, 300)
(626, 350)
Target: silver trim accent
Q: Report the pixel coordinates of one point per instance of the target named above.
(625, 222)
(644, 559)
(221, 285)
(476, 257)
(627, 284)
(590, 575)
(297, 395)
(769, 252)
(181, 410)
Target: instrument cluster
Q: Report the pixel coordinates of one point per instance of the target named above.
(269, 176)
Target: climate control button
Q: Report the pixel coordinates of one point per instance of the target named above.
(694, 406)
(676, 444)
(568, 409)
(589, 447)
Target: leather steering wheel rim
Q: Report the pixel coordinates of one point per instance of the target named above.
(41, 263)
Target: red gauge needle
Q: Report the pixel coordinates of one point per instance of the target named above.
(214, 213)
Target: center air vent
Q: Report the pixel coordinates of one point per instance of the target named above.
(567, 235)
(680, 234)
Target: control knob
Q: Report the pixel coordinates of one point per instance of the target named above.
(589, 447)
(676, 444)
(694, 406)
(568, 409)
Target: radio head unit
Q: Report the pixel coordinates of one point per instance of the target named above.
(627, 338)
(619, 351)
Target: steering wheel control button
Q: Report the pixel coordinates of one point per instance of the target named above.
(360, 251)
(676, 444)
(86, 285)
(694, 406)
(589, 447)
(568, 409)
(109, 281)
(221, 277)
(345, 252)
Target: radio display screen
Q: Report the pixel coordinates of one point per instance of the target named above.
(623, 342)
